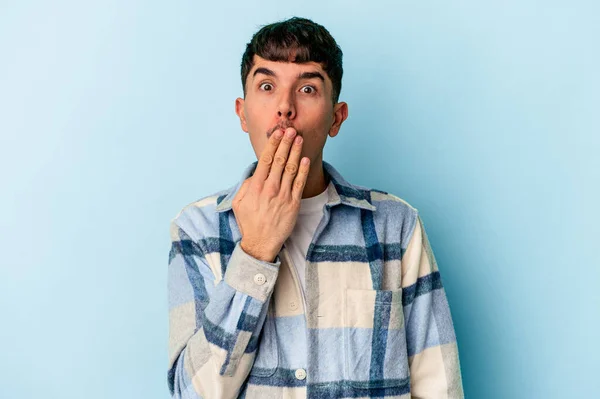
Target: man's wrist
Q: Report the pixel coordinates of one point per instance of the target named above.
(258, 253)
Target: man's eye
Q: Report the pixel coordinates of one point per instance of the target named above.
(309, 91)
(266, 86)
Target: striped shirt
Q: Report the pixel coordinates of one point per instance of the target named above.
(376, 323)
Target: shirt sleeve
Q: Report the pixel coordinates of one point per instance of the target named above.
(431, 340)
(214, 326)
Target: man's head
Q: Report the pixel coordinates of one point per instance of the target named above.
(292, 77)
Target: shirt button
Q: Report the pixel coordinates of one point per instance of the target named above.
(260, 279)
(300, 374)
(293, 305)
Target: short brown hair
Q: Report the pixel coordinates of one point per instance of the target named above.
(300, 38)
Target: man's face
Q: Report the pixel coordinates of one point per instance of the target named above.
(286, 94)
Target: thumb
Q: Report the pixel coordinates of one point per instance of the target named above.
(242, 191)
(236, 200)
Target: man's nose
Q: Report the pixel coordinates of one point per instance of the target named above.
(287, 114)
(286, 107)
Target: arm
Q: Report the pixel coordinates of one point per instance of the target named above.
(213, 325)
(431, 341)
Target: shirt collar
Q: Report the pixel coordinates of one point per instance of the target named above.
(340, 191)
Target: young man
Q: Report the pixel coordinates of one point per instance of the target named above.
(295, 283)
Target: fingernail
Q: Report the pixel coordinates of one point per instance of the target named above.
(299, 140)
(278, 134)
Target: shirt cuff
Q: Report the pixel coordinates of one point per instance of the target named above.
(251, 276)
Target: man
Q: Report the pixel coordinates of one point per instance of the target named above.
(294, 283)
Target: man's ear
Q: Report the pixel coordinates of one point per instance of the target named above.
(239, 110)
(340, 113)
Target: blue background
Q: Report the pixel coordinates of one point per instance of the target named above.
(114, 115)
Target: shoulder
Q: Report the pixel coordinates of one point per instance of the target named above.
(393, 213)
(199, 219)
(387, 203)
(386, 199)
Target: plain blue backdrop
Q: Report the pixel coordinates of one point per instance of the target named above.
(114, 115)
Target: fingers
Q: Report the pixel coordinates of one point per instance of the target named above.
(300, 180)
(281, 159)
(291, 168)
(266, 159)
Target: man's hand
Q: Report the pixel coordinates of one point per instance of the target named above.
(267, 204)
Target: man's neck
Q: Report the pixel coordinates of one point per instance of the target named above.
(316, 182)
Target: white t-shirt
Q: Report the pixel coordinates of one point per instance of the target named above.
(309, 216)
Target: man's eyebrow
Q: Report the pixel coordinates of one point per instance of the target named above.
(265, 71)
(303, 75)
(311, 75)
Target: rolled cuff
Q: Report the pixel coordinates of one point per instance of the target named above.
(242, 270)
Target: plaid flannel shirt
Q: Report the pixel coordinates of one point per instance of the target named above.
(377, 322)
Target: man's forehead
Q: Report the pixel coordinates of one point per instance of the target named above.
(282, 66)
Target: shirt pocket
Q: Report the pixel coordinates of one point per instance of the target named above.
(375, 339)
(267, 352)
